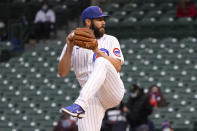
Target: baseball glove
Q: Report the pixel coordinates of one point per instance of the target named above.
(85, 38)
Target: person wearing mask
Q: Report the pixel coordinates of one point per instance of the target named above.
(44, 21)
(156, 98)
(186, 8)
(139, 109)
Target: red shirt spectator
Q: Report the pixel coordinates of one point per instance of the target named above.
(186, 8)
(156, 97)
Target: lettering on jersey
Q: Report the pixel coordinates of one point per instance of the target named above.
(116, 52)
(103, 50)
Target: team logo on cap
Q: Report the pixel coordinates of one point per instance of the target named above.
(103, 50)
(100, 10)
(116, 52)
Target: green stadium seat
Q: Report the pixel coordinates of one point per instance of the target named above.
(130, 21)
(148, 21)
(166, 6)
(189, 40)
(183, 124)
(112, 21)
(110, 7)
(154, 14)
(147, 6)
(119, 14)
(130, 7)
(137, 14)
(185, 20)
(157, 120)
(5, 128)
(171, 13)
(6, 46)
(167, 20)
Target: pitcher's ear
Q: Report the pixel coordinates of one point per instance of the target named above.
(87, 22)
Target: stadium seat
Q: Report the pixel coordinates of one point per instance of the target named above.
(130, 7)
(110, 7)
(154, 14)
(147, 6)
(119, 14)
(185, 21)
(166, 6)
(139, 14)
(130, 21)
(112, 21)
(167, 20)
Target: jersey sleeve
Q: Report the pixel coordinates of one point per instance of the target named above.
(115, 50)
(63, 52)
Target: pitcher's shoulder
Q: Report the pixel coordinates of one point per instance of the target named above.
(106, 36)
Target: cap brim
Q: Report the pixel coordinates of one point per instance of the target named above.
(102, 16)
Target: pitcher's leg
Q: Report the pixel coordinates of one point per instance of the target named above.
(103, 76)
(93, 116)
(94, 83)
(112, 90)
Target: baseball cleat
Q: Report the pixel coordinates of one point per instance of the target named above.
(73, 110)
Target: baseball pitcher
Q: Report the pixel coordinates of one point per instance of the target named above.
(96, 58)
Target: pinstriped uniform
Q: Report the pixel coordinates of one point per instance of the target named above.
(101, 85)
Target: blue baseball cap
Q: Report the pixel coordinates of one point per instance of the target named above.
(92, 12)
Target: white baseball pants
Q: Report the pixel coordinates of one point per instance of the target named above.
(103, 90)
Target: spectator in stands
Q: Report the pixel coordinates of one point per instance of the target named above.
(166, 126)
(44, 21)
(3, 31)
(115, 119)
(65, 124)
(186, 8)
(139, 109)
(156, 98)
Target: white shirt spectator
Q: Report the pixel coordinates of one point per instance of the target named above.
(42, 16)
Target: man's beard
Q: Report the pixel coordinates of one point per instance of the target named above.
(98, 34)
